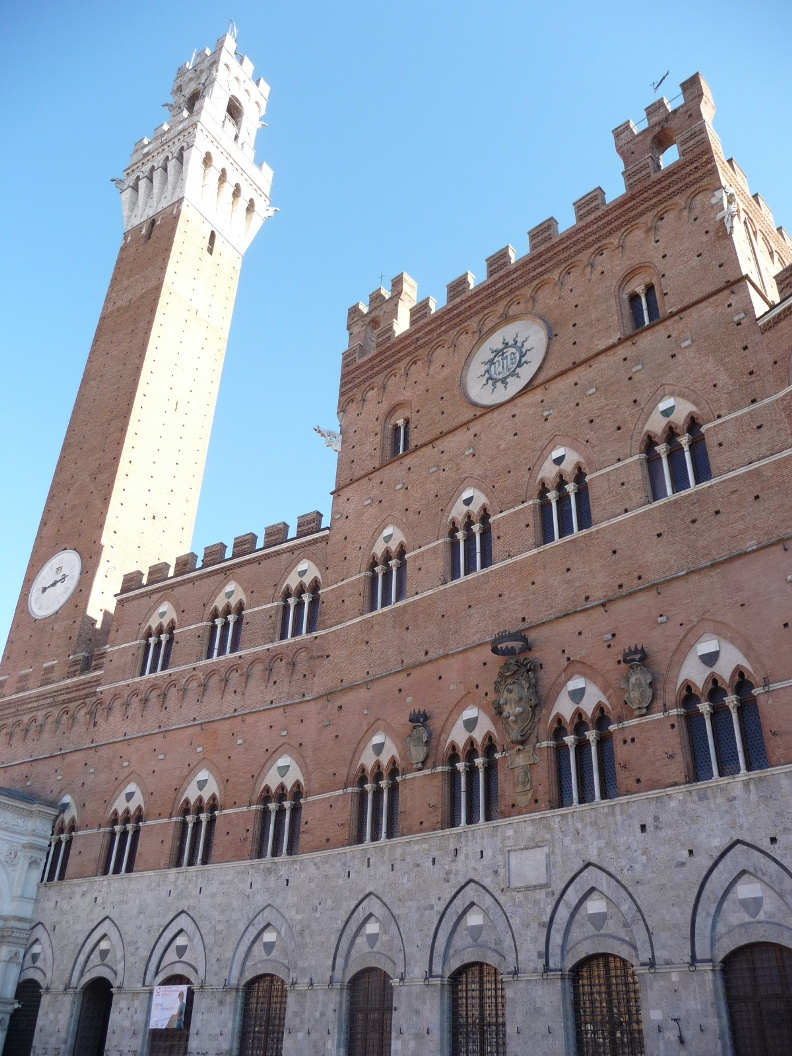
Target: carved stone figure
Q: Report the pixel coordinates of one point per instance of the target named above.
(517, 698)
(520, 761)
(418, 739)
(331, 437)
(637, 686)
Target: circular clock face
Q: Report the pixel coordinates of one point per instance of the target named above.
(54, 584)
(503, 363)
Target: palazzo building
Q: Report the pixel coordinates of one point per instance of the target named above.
(497, 762)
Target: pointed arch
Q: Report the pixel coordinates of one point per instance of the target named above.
(344, 965)
(247, 961)
(195, 969)
(710, 942)
(188, 790)
(83, 971)
(38, 959)
(735, 651)
(270, 776)
(472, 893)
(557, 700)
(588, 879)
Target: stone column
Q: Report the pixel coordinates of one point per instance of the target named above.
(662, 450)
(734, 703)
(571, 743)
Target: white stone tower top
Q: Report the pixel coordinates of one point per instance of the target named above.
(206, 153)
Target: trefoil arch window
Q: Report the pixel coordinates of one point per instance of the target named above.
(471, 545)
(123, 843)
(377, 805)
(478, 1011)
(300, 612)
(263, 1017)
(225, 636)
(678, 463)
(607, 1004)
(644, 308)
(473, 792)
(585, 763)
(725, 731)
(58, 853)
(197, 833)
(281, 820)
(388, 582)
(565, 509)
(157, 653)
(370, 1013)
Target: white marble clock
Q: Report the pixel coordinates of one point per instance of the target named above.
(54, 584)
(503, 363)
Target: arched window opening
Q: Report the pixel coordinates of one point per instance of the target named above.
(607, 1003)
(400, 437)
(726, 736)
(58, 853)
(197, 834)
(388, 582)
(563, 766)
(698, 735)
(279, 835)
(378, 806)
(123, 843)
(173, 1037)
(566, 510)
(473, 786)
(723, 727)
(585, 763)
(471, 545)
(192, 101)
(644, 307)
(478, 1011)
(263, 1017)
(234, 115)
(370, 1013)
(95, 1005)
(225, 635)
(22, 1024)
(158, 648)
(300, 611)
(750, 725)
(680, 462)
(758, 984)
(607, 761)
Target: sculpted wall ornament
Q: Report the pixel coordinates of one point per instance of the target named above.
(418, 739)
(517, 699)
(637, 681)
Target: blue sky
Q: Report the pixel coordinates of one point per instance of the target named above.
(414, 136)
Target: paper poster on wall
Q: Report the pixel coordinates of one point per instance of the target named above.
(168, 1007)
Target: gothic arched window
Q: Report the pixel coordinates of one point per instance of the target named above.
(607, 1004)
(157, 651)
(478, 1011)
(388, 582)
(123, 843)
(678, 463)
(58, 854)
(378, 806)
(226, 633)
(471, 545)
(644, 308)
(263, 1017)
(300, 612)
(279, 835)
(473, 785)
(197, 833)
(566, 509)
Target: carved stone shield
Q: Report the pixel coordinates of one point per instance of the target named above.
(517, 698)
(418, 745)
(637, 686)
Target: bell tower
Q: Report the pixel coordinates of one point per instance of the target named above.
(126, 486)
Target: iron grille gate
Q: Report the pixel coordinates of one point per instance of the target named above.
(758, 982)
(607, 1008)
(22, 1025)
(370, 1013)
(478, 1015)
(263, 1017)
(97, 1000)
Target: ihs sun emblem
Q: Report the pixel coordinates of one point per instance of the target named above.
(505, 362)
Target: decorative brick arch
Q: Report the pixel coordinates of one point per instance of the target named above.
(83, 972)
(247, 961)
(637, 948)
(344, 966)
(739, 859)
(195, 971)
(441, 961)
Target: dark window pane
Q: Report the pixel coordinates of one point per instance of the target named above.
(22, 1025)
(470, 551)
(585, 764)
(456, 565)
(223, 647)
(455, 779)
(548, 527)
(123, 836)
(608, 776)
(266, 817)
(209, 836)
(313, 611)
(387, 586)
(565, 524)
(753, 738)
(295, 824)
(362, 808)
(654, 464)
(564, 776)
(134, 837)
(491, 783)
(583, 503)
(182, 840)
(285, 618)
(473, 789)
(637, 310)
(393, 805)
(699, 743)
(376, 810)
(678, 466)
(166, 657)
(373, 590)
(486, 542)
(279, 821)
(699, 456)
(725, 741)
(210, 652)
(607, 1005)
(651, 303)
(236, 637)
(401, 579)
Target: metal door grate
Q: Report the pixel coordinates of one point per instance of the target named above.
(607, 1008)
(758, 981)
(97, 1000)
(370, 1013)
(478, 1014)
(263, 1017)
(22, 1025)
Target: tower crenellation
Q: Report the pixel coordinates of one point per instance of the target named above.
(206, 152)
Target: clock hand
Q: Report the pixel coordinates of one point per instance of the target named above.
(54, 583)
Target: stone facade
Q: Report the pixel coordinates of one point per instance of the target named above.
(589, 449)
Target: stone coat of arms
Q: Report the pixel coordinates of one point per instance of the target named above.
(517, 699)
